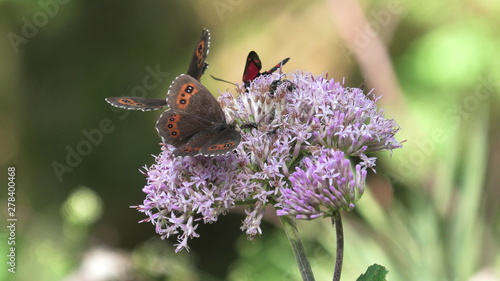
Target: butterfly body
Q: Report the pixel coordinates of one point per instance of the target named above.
(195, 123)
(196, 68)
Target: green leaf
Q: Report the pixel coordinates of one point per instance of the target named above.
(374, 273)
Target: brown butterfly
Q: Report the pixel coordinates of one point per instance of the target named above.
(195, 123)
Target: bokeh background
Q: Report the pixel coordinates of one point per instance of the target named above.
(430, 213)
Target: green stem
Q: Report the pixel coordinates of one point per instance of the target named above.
(337, 222)
(297, 247)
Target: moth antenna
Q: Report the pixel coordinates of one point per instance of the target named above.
(222, 80)
(362, 85)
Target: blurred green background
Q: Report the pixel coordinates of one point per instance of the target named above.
(430, 213)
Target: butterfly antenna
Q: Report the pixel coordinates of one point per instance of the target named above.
(222, 80)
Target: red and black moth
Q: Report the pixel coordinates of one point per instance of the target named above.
(252, 69)
(254, 65)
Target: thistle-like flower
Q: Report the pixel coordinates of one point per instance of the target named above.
(295, 156)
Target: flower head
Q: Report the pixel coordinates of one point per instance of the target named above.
(295, 156)
(323, 182)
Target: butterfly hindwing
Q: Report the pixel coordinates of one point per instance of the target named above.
(215, 141)
(136, 103)
(225, 140)
(178, 127)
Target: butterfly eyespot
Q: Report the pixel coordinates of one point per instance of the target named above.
(190, 149)
(170, 126)
(183, 101)
(222, 146)
(174, 133)
(189, 89)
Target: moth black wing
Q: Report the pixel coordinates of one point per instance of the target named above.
(278, 65)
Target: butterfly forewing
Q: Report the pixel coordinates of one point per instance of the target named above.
(135, 103)
(189, 95)
(197, 66)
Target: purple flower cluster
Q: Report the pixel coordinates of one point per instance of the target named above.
(321, 184)
(296, 157)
